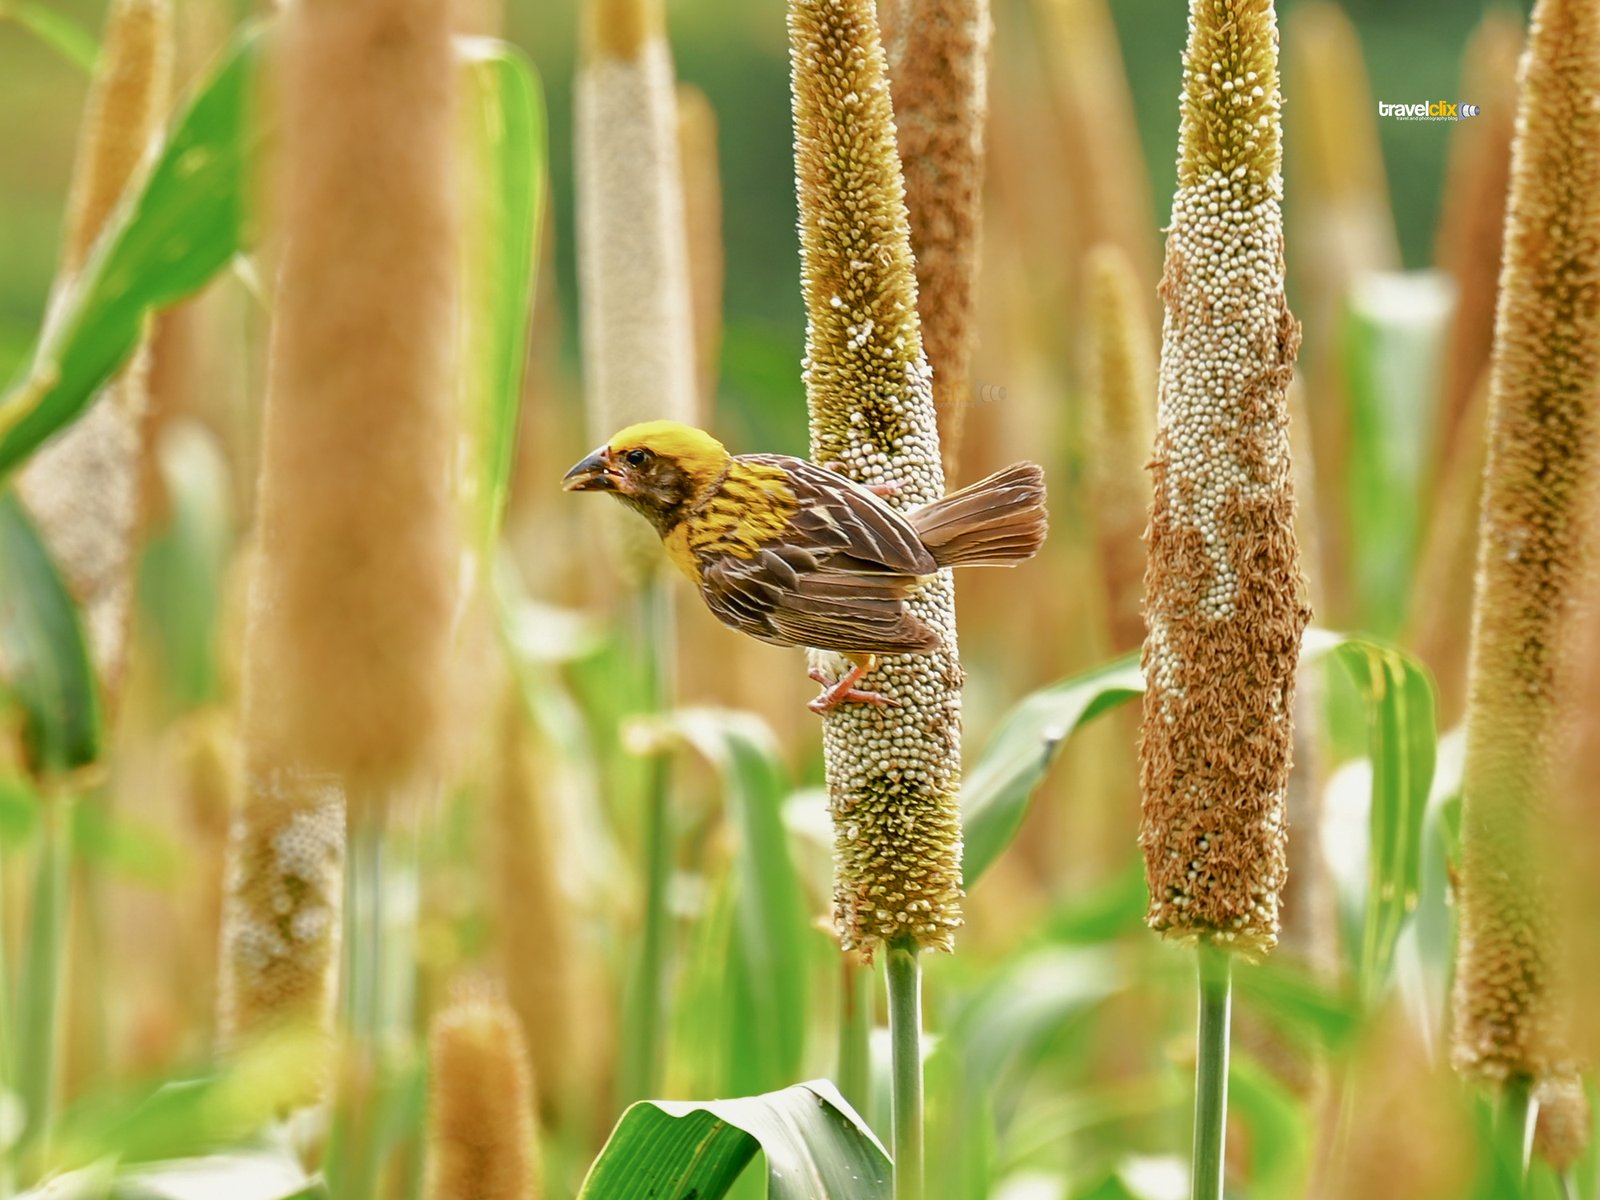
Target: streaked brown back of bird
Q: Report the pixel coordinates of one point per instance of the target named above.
(997, 522)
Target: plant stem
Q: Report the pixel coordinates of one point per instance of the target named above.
(646, 1002)
(905, 1039)
(855, 1033)
(379, 961)
(1211, 1073)
(1514, 1121)
(40, 1007)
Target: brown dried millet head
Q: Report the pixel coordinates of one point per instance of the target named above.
(354, 590)
(126, 106)
(1121, 418)
(938, 72)
(1224, 600)
(482, 1139)
(892, 772)
(1533, 555)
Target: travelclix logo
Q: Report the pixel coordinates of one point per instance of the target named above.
(1428, 110)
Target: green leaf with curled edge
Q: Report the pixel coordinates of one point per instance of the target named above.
(182, 224)
(816, 1148)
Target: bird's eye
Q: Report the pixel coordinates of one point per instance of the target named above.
(637, 458)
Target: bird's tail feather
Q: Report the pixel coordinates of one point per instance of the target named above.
(996, 522)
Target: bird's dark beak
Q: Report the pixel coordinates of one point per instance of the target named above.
(593, 474)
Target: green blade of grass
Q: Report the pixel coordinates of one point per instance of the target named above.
(1402, 745)
(1393, 331)
(184, 222)
(506, 145)
(770, 927)
(816, 1148)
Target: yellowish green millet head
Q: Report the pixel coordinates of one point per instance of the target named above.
(893, 772)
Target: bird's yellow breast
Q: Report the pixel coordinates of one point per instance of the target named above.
(751, 508)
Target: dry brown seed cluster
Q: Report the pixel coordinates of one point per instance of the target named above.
(892, 772)
(938, 52)
(83, 487)
(638, 337)
(482, 1141)
(1224, 599)
(1533, 551)
(1121, 430)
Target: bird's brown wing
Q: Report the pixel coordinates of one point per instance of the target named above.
(845, 525)
(784, 595)
(837, 577)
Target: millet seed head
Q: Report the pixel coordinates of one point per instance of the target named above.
(1561, 1130)
(633, 257)
(1224, 600)
(892, 772)
(482, 1140)
(1120, 415)
(938, 57)
(1534, 553)
(353, 597)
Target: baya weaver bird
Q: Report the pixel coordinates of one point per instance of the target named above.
(798, 555)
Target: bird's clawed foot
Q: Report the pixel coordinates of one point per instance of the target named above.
(844, 691)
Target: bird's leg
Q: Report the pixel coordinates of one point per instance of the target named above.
(844, 691)
(883, 490)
